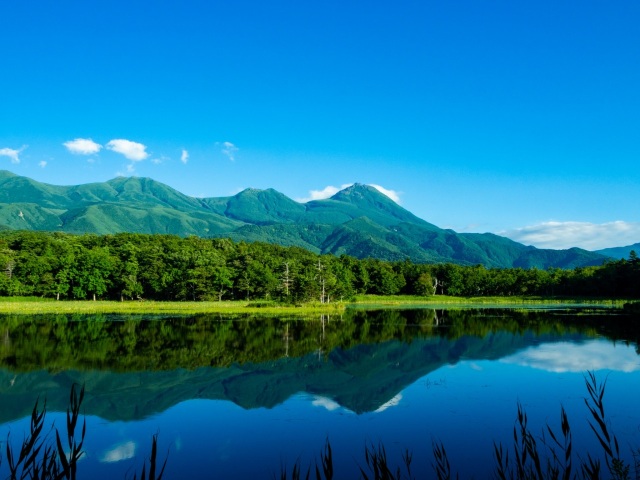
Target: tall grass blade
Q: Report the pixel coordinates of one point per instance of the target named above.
(63, 457)
(326, 458)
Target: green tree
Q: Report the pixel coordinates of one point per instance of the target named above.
(93, 270)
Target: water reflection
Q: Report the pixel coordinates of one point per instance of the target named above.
(119, 452)
(263, 386)
(578, 357)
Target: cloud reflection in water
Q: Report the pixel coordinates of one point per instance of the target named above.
(572, 357)
(119, 452)
(391, 403)
(325, 402)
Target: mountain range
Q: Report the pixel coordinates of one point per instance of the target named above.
(359, 221)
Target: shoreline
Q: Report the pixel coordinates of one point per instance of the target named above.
(27, 306)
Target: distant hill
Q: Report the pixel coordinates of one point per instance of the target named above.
(358, 221)
(620, 252)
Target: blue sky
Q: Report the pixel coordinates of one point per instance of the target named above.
(518, 118)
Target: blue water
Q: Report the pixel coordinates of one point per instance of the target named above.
(467, 406)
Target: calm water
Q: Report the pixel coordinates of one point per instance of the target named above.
(240, 398)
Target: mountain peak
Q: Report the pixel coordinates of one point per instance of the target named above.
(357, 187)
(263, 207)
(361, 194)
(249, 190)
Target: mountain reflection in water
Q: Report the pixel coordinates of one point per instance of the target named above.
(386, 365)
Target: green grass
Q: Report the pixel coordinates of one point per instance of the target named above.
(450, 301)
(25, 299)
(36, 305)
(31, 306)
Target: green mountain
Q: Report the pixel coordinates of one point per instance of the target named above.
(358, 221)
(620, 252)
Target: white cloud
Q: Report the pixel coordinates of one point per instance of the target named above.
(229, 150)
(14, 155)
(392, 194)
(82, 146)
(571, 357)
(133, 151)
(42, 164)
(184, 158)
(119, 452)
(329, 191)
(326, 192)
(131, 168)
(590, 236)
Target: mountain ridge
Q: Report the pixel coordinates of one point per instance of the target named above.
(620, 252)
(359, 221)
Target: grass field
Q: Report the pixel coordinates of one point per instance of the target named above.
(437, 301)
(35, 305)
(31, 306)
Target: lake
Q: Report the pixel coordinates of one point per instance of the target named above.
(247, 396)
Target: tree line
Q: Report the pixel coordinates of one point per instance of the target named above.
(165, 267)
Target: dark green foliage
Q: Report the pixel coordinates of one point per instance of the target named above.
(358, 221)
(166, 267)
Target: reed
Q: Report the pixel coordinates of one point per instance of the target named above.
(40, 457)
(548, 456)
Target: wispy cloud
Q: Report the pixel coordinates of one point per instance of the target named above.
(131, 168)
(392, 194)
(14, 155)
(160, 159)
(82, 146)
(184, 157)
(590, 236)
(229, 150)
(119, 452)
(133, 151)
(326, 192)
(42, 164)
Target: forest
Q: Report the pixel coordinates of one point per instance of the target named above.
(129, 266)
